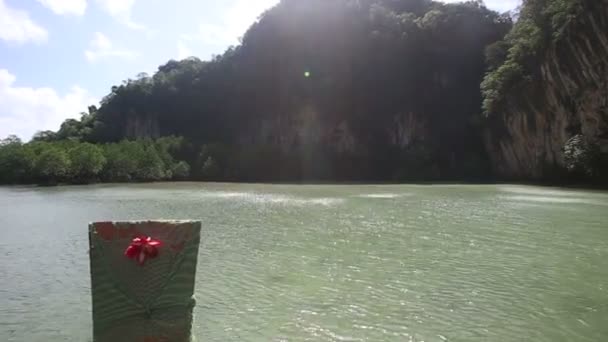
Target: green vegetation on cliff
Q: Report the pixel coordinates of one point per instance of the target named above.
(318, 89)
(545, 93)
(515, 61)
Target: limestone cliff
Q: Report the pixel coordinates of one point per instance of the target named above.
(566, 96)
(137, 127)
(308, 127)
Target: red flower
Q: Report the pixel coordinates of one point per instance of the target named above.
(142, 248)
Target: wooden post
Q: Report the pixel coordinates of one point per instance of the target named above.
(142, 280)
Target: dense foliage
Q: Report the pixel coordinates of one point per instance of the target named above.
(513, 62)
(80, 162)
(317, 89)
(358, 64)
(584, 159)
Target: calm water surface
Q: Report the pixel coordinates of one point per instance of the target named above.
(329, 263)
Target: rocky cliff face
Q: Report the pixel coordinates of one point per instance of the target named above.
(307, 127)
(568, 96)
(137, 127)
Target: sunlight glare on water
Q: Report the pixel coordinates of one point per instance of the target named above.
(329, 262)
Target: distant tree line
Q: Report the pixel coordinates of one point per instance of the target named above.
(74, 162)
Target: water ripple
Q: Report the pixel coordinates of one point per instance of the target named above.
(330, 263)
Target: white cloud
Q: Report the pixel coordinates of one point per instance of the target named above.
(497, 5)
(102, 48)
(16, 26)
(503, 5)
(25, 110)
(65, 7)
(183, 51)
(233, 23)
(121, 11)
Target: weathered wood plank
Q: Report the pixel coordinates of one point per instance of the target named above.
(152, 302)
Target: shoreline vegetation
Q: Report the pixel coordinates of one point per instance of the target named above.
(116, 164)
(169, 159)
(72, 162)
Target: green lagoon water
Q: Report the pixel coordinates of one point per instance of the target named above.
(329, 262)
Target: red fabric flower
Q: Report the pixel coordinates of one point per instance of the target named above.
(142, 248)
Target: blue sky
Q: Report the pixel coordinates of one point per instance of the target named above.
(59, 56)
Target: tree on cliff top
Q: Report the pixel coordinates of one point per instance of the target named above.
(514, 62)
(360, 62)
(380, 56)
